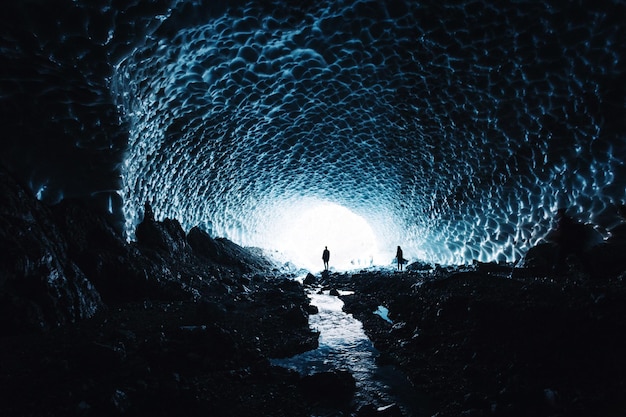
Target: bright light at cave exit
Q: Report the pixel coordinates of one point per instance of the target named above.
(350, 239)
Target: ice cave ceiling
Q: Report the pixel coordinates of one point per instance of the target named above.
(453, 128)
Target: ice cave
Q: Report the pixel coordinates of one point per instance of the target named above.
(453, 128)
(171, 170)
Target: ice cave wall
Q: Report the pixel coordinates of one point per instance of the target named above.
(454, 128)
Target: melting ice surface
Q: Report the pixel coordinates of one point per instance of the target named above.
(344, 345)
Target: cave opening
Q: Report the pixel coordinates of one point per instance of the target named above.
(353, 242)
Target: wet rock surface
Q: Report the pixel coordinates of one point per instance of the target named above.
(480, 343)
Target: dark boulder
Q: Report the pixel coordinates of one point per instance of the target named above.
(599, 261)
(419, 266)
(167, 235)
(312, 309)
(203, 244)
(309, 279)
(540, 257)
(573, 235)
(606, 261)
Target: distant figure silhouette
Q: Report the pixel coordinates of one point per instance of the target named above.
(326, 257)
(399, 258)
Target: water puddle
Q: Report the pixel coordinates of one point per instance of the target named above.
(383, 313)
(344, 345)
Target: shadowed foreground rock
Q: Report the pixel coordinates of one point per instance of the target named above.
(60, 263)
(163, 358)
(482, 344)
(92, 325)
(40, 284)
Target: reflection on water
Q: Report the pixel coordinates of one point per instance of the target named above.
(344, 345)
(383, 312)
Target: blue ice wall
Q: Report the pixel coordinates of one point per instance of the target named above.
(455, 128)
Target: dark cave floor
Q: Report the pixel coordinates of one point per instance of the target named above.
(476, 341)
(165, 358)
(480, 343)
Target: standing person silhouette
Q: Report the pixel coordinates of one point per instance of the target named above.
(326, 257)
(400, 258)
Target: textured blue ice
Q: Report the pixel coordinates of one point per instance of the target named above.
(455, 129)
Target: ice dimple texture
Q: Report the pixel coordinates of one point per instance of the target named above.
(455, 130)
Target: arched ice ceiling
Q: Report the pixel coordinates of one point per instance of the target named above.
(454, 128)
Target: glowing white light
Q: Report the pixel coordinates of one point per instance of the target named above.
(348, 236)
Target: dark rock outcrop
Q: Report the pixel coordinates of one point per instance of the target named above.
(419, 266)
(40, 285)
(163, 358)
(60, 264)
(118, 270)
(225, 252)
(309, 279)
(606, 261)
(595, 258)
(167, 235)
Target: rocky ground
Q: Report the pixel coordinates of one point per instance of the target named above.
(166, 358)
(487, 340)
(475, 341)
